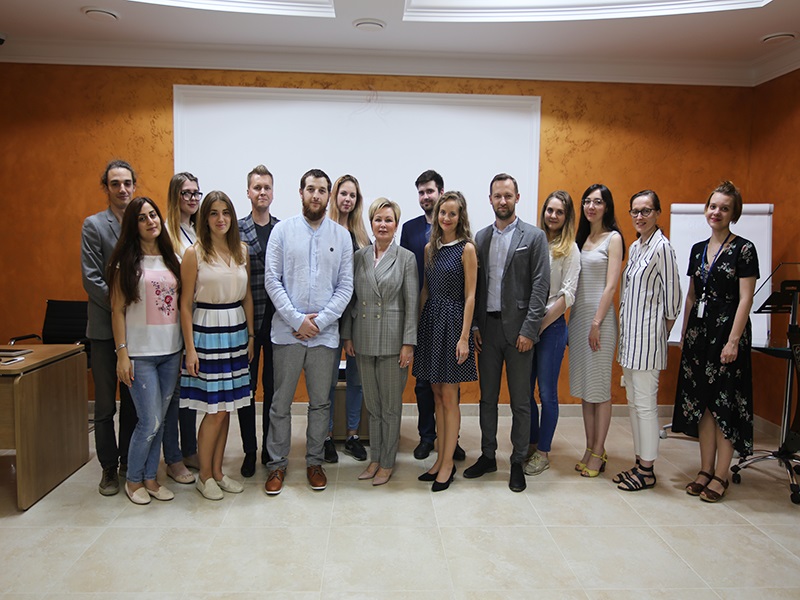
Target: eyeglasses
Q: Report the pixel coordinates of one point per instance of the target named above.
(645, 212)
(593, 202)
(189, 194)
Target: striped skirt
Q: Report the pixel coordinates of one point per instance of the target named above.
(223, 379)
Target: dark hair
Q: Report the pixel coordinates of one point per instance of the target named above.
(232, 238)
(174, 204)
(259, 170)
(430, 175)
(503, 177)
(116, 164)
(317, 174)
(609, 221)
(462, 229)
(126, 259)
(727, 188)
(650, 194)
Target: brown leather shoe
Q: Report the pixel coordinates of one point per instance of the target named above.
(274, 483)
(316, 477)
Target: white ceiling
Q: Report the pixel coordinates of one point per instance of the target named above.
(714, 48)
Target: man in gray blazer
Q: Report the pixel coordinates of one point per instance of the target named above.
(513, 286)
(98, 237)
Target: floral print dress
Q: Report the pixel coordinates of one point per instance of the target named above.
(703, 381)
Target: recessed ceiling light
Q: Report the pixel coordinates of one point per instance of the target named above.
(100, 14)
(773, 39)
(369, 24)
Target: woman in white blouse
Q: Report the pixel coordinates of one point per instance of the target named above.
(558, 222)
(650, 301)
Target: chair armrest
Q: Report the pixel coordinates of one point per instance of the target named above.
(19, 338)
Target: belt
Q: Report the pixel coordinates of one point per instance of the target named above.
(493, 315)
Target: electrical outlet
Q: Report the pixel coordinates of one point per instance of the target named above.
(622, 381)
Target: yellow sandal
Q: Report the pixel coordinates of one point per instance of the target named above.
(586, 472)
(580, 466)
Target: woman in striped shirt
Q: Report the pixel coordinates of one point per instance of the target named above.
(650, 301)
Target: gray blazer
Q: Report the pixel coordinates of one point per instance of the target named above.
(98, 237)
(526, 281)
(384, 310)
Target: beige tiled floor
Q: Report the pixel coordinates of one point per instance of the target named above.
(564, 537)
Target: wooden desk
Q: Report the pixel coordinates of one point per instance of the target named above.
(44, 415)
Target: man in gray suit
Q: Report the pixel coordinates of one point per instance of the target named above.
(513, 285)
(98, 237)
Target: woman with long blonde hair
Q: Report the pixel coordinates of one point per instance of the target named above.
(557, 220)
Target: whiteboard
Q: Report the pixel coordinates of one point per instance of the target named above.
(687, 226)
(384, 139)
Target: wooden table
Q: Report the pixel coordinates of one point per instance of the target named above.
(44, 415)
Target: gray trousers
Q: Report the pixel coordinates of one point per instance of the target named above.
(494, 352)
(383, 382)
(317, 364)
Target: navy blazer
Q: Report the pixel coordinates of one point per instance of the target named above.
(413, 238)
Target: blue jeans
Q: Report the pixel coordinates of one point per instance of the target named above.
(547, 356)
(152, 387)
(354, 394)
(183, 419)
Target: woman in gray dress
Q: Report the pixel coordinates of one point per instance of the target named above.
(593, 324)
(380, 330)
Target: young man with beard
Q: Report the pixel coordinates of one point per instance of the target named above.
(513, 286)
(309, 278)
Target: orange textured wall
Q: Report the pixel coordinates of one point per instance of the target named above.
(60, 124)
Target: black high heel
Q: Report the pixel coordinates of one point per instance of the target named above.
(428, 476)
(439, 486)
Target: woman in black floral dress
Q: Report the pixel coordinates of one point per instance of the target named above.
(714, 400)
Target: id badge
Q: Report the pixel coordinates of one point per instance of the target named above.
(701, 309)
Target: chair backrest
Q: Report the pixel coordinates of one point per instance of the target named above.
(64, 321)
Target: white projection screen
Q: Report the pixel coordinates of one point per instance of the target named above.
(384, 139)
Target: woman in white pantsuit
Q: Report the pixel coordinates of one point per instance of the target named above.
(381, 333)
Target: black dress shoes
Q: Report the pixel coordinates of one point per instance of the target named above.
(516, 483)
(423, 450)
(441, 486)
(428, 476)
(458, 453)
(482, 466)
(248, 465)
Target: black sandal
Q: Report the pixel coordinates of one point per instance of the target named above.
(637, 479)
(693, 488)
(620, 477)
(709, 495)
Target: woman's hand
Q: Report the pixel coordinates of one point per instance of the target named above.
(462, 351)
(729, 352)
(250, 350)
(192, 362)
(124, 368)
(406, 354)
(594, 337)
(348, 348)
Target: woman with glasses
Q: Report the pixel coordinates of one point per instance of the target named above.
(183, 200)
(714, 400)
(558, 222)
(593, 325)
(650, 301)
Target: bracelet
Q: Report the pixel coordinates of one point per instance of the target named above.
(120, 347)
(251, 335)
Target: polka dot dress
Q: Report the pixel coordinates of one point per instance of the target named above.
(441, 321)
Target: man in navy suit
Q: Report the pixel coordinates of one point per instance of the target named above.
(414, 236)
(255, 230)
(98, 237)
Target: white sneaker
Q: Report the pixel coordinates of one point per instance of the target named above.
(226, 484)
(536, 464)
(209, 489)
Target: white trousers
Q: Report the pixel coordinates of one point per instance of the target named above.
(641, 388)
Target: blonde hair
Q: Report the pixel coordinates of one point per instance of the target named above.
(462, 228)
(561, 242)
(380, 204)
(174, 206)
(355, 220)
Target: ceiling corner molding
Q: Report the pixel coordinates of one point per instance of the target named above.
(488, 11)
(775, 65)
(287, 8)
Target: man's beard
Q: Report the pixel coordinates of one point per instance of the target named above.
(313, 215)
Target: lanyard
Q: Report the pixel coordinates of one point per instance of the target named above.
(704, 274)
(186, 235)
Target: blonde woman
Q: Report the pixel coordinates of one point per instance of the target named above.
(557, 220)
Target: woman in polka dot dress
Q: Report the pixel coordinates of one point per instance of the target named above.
(445, 352)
